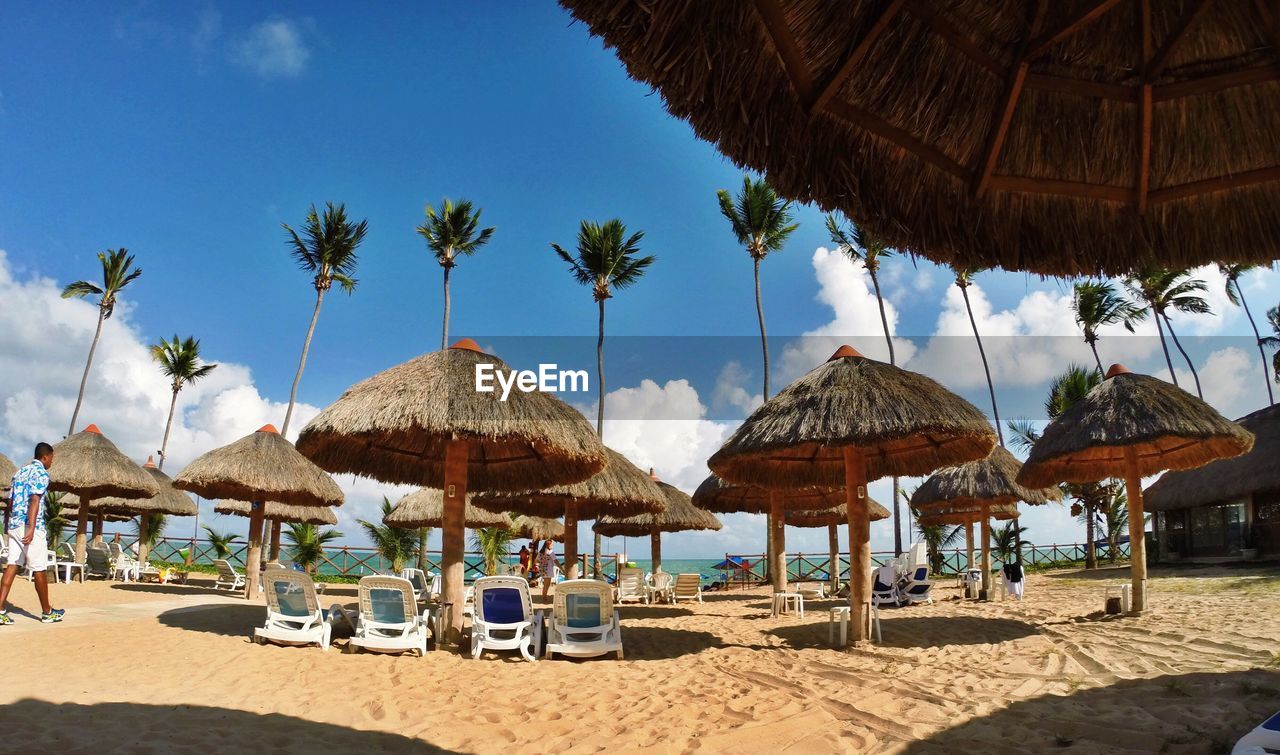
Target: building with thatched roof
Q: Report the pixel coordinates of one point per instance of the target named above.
(1226, 507)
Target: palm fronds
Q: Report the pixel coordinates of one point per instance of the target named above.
(453, 230)
(606, 257)
(220, 541)
(495, 544)
(395, 545)
(761, 220)
(327, 246)
(307, 543)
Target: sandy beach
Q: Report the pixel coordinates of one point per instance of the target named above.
(158, 668)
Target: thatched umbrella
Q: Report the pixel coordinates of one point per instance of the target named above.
(953, 130)
(91, 466)
(832, 517)
(169, 500)
(1131, 426)
(261, 466)
(424, 422)
(425, 508)
(620, 489)
(980, 485)
(966, 514)
(538, 528)
(279, 512)
(680, 515)
(7, 470)
(844, 423)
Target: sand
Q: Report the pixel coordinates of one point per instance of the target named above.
(158, 668)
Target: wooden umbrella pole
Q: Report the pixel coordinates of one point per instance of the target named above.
(1137, 538)
(778, 568)
(655, 549)
(253, 559)
(82, 530)
(570, 541)
(986, 551)
(97, 529)
(275, 540)
(968, 542)
(144, 529)
(855, 492)
(453, 532)
(833, 556)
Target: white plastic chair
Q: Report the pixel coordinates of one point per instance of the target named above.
(584, 623)
(389, 621)
(660, 585)
(884, 587)
(98, 562)
(228, 577)
(917, 588)
(293, 611)
(687, 587)
(504, 618)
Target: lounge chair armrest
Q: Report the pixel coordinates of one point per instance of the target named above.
(337, 612)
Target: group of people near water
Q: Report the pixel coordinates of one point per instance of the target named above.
(541, 566)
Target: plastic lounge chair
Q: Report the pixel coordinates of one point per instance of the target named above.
(884, 590)
(1263, 739)
(584, 623)
(917, 588)
(65, 560)
(97, 562)
(228, 577)
(123, 565)
(630, 586)
(504, 618)
(422, 584)
(687, 587)
(660, 585)
(293, 612)
(389, 621)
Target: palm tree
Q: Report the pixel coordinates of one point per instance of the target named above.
(964, 277)
(1163, 290)
(396, 546)
(863, 246)
(307, 544)
(1097, 304)
(937, 538)
(1007, 541)
(179, 360)
(606, 259)
(449, 233)
(495, 544)
(117, 273)
(328, 253)
(54, 521)
(1273, 341)
(152, 532)
(1235, 294)
(220, 541)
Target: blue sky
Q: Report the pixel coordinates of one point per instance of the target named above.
(189, 132)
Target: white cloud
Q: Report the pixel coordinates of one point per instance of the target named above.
(1231, 379)
(272, 49)
(208, 30)
(730, 390)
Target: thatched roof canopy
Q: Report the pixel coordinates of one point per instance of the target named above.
(837, 515)
(967, 514)
(958, 131)
(620, 489)
(903, 422)
(425, 508)
(280, 512)
(1168, 427)
(680, 515)
(169, 500)
(261, 466)
(714, 494)
(538, 528)
(89, 464)
(394, 427)
(992, 480)
(7, 470)
(1257, 471)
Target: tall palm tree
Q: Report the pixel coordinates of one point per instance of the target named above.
(862, 246)
(494, 543)
(179, 360)
(1162, 290)
(1097, 304)
(450, 232)
(607, 259)
(964, 278)
(1006, 540)
(220, 541)
(396, 546)
(1233, 272)
(153, 532)
(307, 544)
(117, 273)
(1273, 341)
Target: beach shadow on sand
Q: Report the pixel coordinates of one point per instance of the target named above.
(189, 589)
(663, 643)
(914, 631)
(1202, 712)
(229, 620)
(653, 612)
(132, 727)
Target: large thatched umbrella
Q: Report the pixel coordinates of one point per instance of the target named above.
(261, 466)
(979, 485)
(954, 130)
(425, 422)
(7, 470)
(680, 515)
(1132, 426)
(279, 512)
(91, 466)
(966, 515)
(620, 489)
(169, 501)
(832, 517)
(538, 527)
(844, 423)
(425, 508)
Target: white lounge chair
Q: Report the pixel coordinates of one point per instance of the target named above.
(98, 562)
(293, 611)
(884, 587)
(504, 618)
(660, 585)
(123, 565)
(1264, 738)
(389, 621)
(584, 623)
(425, 586)
(228, 577)
(687, 587)
(65, 560)
(917, 588)
(630, 586)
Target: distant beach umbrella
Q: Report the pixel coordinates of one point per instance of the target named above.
(1132, 426)
(279, 512)
(680, 515)
(262, 466)
(831, 518)
(846, 422)
(7, 470)
(538, 527)
(1256, 472)
(90, 465)
(424, 422)
(169, 501)
(425, 508)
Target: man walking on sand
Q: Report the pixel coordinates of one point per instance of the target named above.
(26, 534)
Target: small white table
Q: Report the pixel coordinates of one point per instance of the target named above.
(784, 602)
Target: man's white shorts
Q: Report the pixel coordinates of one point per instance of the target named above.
(34, 556)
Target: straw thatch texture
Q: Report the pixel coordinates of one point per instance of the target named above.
(992, 480)
(680, 515)
(280, 512)
(714, 494)
(425, 508)
(1168, 427)
(261, 466)
(394, 427)
(904, 423)
(7, 470)
(1228, 479)
(966, 514)
(620, 489)
(90, 465)
(929, 139)
(169, 500)
(837, 515)
(72, 512)
(538, 528)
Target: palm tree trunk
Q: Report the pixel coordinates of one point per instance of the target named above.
(84, 379)
(995, 410)
(1094, 346)
(1090, 552)
(764, 348)
(164, 444)
(302, 363)
(1167, 359)
(1190, 365)
(595, 540)
(444, 331)
(888, 339)
(422, 549)
(1266, 378)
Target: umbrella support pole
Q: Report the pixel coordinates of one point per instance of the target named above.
(570, 541)
(968, 543)
(855, 491)
(1137, 527)
(833, 557)
(778, 567)
(655, 549)
(453, 532)
(97, 529)
(144, 530)
(252, 560)
(986, 551)
(275, 541)
(82, 530)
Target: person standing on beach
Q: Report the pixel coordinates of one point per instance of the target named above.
(547, 566)
(26, 533)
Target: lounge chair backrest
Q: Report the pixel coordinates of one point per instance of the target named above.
(583, 603)
(115, 550)
(630, 581)
(921, 574)
(98, 559)
(386, 600)
(416, 578)
(503, 600)
(884, 578)
(225, 570)
(688, 584)
(65, 552)
(290, 593)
